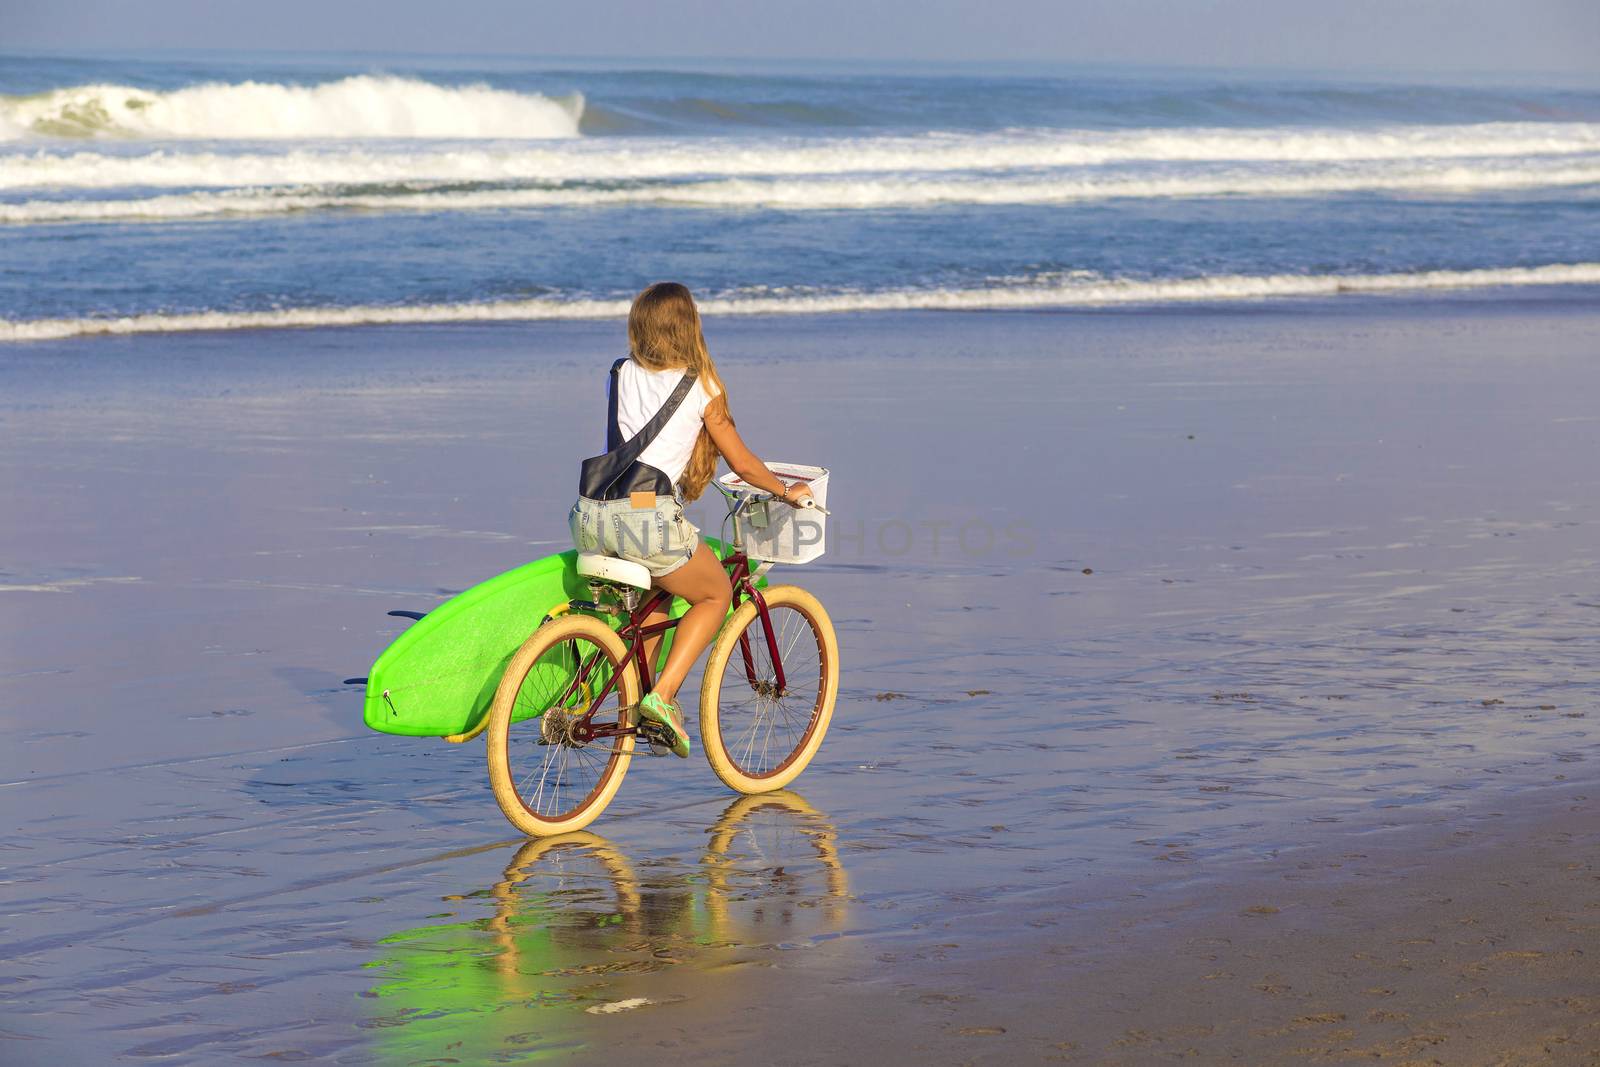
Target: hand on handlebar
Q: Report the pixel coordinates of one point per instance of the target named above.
(799, 495)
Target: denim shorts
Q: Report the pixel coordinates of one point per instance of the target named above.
(658, 537)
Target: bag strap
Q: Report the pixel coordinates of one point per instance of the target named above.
(613, 431)
(631, 449)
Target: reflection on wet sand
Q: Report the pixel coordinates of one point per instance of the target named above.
(752, 876)
(574, 929)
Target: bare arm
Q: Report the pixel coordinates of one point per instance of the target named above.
(745, 463)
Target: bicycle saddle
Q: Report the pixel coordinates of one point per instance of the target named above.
(612, 569)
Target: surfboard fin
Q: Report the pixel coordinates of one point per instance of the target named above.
(408, 614)
(355, 681)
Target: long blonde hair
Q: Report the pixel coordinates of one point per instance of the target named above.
(664, 333)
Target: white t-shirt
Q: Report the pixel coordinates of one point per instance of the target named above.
(641, 393)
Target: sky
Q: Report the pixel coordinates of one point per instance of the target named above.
(1490, 37)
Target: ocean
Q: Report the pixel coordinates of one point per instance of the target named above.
(165, 193)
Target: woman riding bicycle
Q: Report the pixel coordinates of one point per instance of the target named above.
(668, 423)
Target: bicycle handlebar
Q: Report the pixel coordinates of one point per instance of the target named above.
(755, 495)
(810, 504)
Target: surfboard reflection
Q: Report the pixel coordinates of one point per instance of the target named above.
(574, 930)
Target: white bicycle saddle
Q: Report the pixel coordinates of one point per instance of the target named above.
(612, 569)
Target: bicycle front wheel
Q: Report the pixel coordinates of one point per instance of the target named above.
(759, 737)
(553, 766)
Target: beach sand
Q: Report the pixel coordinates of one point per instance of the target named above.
(1218, 685)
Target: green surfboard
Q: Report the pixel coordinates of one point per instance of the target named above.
(439, 677)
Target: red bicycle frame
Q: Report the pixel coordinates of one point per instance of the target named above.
(636, 635)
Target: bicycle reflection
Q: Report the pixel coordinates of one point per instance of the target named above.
(576, 929)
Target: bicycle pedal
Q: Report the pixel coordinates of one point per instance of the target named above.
(654, 735)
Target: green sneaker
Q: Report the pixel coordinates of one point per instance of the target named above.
(668, 714)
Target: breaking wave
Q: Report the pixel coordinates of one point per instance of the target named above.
(608, 159)
(363, 106)
(1074, 290)
(823, 194)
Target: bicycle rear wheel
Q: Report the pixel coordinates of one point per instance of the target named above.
(757, 737)
(548, 776)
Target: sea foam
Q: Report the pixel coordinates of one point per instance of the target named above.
(857, 192)
(1077, 290)
(614, 158)
(357, 107)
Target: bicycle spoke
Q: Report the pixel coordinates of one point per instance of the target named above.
(559, 773)
(788, 648)
(761, 728)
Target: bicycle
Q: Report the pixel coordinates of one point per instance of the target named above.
(563, 727)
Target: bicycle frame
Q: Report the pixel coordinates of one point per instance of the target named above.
(637, 634)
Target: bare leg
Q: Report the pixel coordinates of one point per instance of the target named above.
(652, 645)
(704, 584)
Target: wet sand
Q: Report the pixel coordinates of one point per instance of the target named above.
(1217, 684)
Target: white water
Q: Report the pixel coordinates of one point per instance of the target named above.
(357, 107)
(1078, 290)
(832, 193)
(608, 159)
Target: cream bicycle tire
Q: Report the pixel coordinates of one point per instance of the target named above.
(740, 717)
(504, 778)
